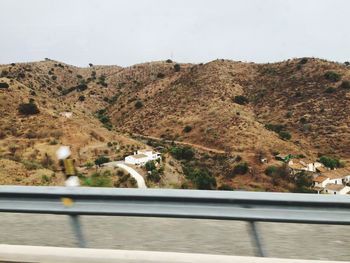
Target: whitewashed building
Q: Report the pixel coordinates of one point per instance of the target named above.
(141, 157)
(336, 189)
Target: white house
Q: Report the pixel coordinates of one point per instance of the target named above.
(321, 181)
(337, 176)
(304, 165)
(336, 189)
(142, 157)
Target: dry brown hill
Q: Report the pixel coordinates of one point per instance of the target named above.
(221, 105)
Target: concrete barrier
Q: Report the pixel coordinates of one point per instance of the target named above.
(16, 253)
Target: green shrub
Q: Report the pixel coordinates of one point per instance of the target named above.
(330, 90)
(138, 104)
(271, 170)
(330, 162)
(240, 99)
(345, 85)
(81, 98)
(160, 75)
(4, 85)
(154, 176)
(332, 76)
(177, 67)
(201, 178)
(277, 171)
(275, 127)
(150, 166)
(241, 168)
(285, 135)
(101, 160)
(182, 153)
(187, 128)
(169, 61)
(28, 108)
(303, 61)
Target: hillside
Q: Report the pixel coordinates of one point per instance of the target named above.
(229, 112)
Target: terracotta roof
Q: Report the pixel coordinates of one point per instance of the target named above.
(322, 169)
(338, 173)
(334, 187)
(139, 156)
(320, 179)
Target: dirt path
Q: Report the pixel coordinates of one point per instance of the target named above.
(197, 146)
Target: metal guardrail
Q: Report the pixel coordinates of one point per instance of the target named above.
(221, 205)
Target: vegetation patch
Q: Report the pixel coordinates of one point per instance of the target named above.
(182, 153)
(241, 100)
(4, 85)
(201, 178)
(330, 162)
(28, 108)
(332, 76)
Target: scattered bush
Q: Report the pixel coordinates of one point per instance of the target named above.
(330, 162)
(138, 104)
(275, 127)
(303, 183)
(160, 75)
(82, 98)
(169, 61)
(271, 170)
(28, 108)
(4, 85)
(104, 119)
(240, 99)
(285, 135)
(201, 178)
(332, 76)
(346, 63)
(345, 85)
(187, 128)
(277, 171)
(101, 160)
(303, 61)
(150, 166)
(182, 153)
(330, 90)
(154, 176)
(241, 168)
(177, 67)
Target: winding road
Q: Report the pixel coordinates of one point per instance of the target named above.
(138, 177)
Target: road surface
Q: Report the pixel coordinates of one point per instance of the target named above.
(138, 177)
(178, 235)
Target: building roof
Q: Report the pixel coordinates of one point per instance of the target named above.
(321, 169)
(139, 156)
(320, 179)
(338, 173)
(334, 187)
(297, 166)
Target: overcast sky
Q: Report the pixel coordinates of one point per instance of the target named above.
(126, 32)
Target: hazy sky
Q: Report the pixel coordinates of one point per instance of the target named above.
(126, 32)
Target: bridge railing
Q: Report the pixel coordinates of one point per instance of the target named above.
(251, 207)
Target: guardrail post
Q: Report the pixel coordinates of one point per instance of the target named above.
(259, 250)
(76, 226)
